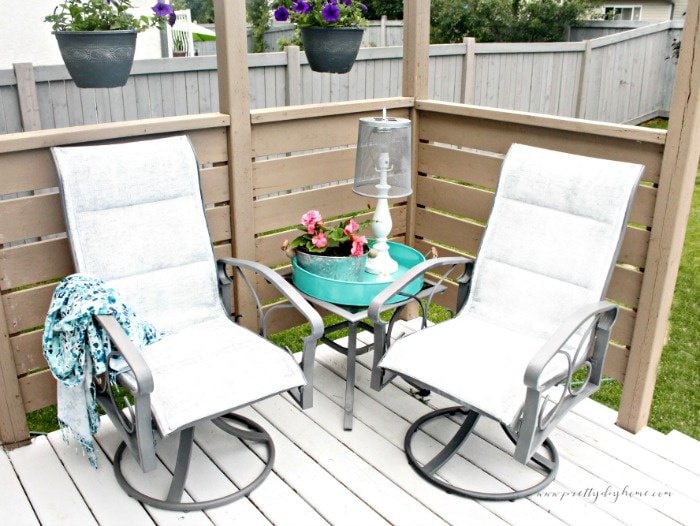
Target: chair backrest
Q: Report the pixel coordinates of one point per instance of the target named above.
(552, 239)
(134, 217)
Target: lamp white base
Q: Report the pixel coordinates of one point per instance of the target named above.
(382, 265)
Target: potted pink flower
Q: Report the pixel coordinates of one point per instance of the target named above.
(338, 252)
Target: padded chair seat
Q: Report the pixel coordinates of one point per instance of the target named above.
(211, 368)
(471, 361)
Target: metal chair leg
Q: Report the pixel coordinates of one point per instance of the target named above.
(428, 471)
(251, 432)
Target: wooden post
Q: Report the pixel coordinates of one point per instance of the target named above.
(234, 100)
(382, 31)
(416, 46)
(678, 173)
(28, 100)
(582, 93)
(293, 71)
(469, 71)
(13, 420)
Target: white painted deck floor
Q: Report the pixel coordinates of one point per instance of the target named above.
(324, 475)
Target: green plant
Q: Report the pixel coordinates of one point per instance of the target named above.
(258, 12)
(393, 9)
(505, 20)
(107, 15)
(341, 240)
(321, 13)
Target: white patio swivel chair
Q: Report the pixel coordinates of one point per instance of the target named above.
(135, 218)
(534, 315)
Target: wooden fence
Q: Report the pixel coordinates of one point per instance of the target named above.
(626, 77)
(288, 159)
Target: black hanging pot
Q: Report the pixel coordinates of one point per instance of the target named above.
(331, 49)
(97, 59)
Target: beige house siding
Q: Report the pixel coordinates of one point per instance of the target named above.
(656, 11)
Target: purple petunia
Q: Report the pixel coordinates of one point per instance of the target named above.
(347, 2)
(301, 7)
(331, 13)
(162, 9)
(281, 14)
(363, 7)
(171, 19)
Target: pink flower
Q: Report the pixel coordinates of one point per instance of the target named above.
(309, 220)
(358, 245)
(319, 240)
(351, 227)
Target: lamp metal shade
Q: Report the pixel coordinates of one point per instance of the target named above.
(378, 137)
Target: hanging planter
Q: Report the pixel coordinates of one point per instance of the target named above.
(331, 49)
(97, 38)
(97, 59)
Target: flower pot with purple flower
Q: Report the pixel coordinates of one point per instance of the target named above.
(97, 38)
(338, 253)
(331, 30)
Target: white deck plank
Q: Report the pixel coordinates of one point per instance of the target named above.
(273, 500)
(15, 507)
(54, 497)
(387, 459)
(476, 451)
(109, 504)
(678, 479)
(109, 440)
(368, 483)
(336, 503)
(205, 481)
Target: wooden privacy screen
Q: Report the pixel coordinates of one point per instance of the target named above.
(304, 158)
(459, 158)
(34, 252)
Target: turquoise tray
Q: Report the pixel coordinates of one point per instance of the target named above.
(359, 293)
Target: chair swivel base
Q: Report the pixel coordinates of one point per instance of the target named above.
(428, 470)
(173, 501)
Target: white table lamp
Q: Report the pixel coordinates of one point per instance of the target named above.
(383, 171)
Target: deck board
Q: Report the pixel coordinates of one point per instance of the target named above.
(325, 475)
(15, 507)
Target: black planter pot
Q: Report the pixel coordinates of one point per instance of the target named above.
(97, 59)
(331, 49)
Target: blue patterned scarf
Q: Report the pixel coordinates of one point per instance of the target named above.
(76, 348)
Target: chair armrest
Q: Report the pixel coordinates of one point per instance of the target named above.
(305, 393)
(379, 303)
(606, 313)
(139, 368)
(287, 290)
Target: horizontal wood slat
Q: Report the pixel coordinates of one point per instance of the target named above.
(28, 353)
(480, 169)
(27, 170)
(182, 124)
(286, 210)
(38, 390)
(309, 111)
(219, 223)
(28, 217)
(299, 171)
(462, 235)
(454, 198)
(268, 248)
(497, 137)
(309, 134)
(26, 309)
(210, 144)
(215, 187)
(35, 262)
